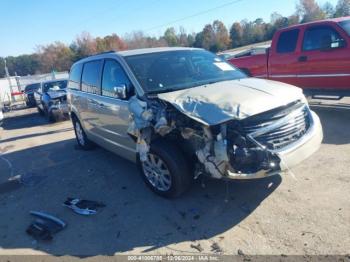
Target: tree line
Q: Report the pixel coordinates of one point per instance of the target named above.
(215, 37)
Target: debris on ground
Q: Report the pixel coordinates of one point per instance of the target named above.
(240, 252)
(182, 214)
(44, 226)
(198, 247)
(196, 217)
(83, 207)
(9, 186)
(30, 178)
(216, 248)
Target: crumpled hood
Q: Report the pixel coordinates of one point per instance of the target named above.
(57, 94)
(235, 99)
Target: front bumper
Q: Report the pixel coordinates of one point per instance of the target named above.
(293, 154)
(60, 109)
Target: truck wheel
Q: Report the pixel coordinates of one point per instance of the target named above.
(165, 171)
(41, 112)
(81, 137)
(51, 117)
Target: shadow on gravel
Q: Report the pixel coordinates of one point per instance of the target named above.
(24, 121)
(335, 121)
(133, 217)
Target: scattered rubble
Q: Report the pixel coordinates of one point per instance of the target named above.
(83, 207)
(198, 247)
(216, 248)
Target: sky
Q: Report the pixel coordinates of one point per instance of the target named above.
(26, 24)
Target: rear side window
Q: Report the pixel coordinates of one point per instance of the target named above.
(74, 76)
(287, 41)
(345, 25)
(113, 76)
(322, 37)
(91, 77)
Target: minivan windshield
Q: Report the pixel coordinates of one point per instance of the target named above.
(345, 25)
(174, 70)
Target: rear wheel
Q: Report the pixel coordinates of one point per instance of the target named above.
(41, 112)
(165, 170)
(80, 135)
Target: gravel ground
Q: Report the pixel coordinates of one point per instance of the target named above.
(305, 214)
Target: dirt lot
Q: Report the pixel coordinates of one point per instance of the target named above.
(278, 215)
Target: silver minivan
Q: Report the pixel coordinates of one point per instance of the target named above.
(181, 113)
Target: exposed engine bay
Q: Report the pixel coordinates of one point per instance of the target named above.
(234, 148)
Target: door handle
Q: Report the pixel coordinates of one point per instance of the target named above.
(302, 58)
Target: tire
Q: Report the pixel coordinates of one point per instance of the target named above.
(51, 117)
(82, 140)
(41, 112)
(178, 177)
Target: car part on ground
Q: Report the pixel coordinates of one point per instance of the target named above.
(44, 226)
(83, 207)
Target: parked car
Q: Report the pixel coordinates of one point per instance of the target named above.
(314, 56)
(180, 113)
(51, 99)
(29, 94)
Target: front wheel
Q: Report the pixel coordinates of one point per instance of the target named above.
(165, 170)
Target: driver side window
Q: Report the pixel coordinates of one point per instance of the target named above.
(322, 37)
(113, 77)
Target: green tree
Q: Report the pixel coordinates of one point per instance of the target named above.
(309, 11)
(222, 38)
(84, 45)
(236, 33)
(342, 8)
(328, 9)
(208, 37)
(56, 56)
(170, 37)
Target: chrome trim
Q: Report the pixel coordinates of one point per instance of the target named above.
(281, 122)
(111, 132)
(309, 75)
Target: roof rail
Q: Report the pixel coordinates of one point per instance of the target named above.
(105, 52)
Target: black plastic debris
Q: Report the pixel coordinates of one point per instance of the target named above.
(83, 207)
(44, 226)
(198, 247)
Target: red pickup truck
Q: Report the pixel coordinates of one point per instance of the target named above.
(314, 56)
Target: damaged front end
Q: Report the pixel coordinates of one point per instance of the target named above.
(261, 145)
(58, 106)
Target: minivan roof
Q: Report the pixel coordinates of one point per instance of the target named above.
(153, 50)
(136, 52)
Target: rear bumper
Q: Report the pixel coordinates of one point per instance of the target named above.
(293, 154)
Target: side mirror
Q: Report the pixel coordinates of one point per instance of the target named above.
(120, 91)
